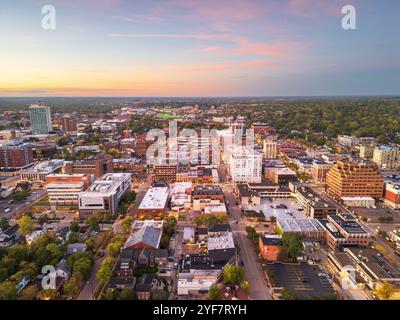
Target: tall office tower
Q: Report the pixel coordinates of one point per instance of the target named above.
(387, 157)
(40, 119)
(68, 124)
(270, 149)
(354, 178)
(15, 155)
(245, 165)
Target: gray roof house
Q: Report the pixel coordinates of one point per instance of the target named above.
(146, 237)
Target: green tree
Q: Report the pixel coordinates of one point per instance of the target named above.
(114, 248)
(93, 223)
(252, 235)
(164, 242)
(8, 291)
(4, 225)
(20, 196)
(245, 285)
(214, 293)
(126, 294)
(105, 272)
(82, 268)
(385, 291)
(74, 226)
(29, 293)
(126, 224)
(170, 224)
(233, 274)
(71, 288)
(110, 294)
(293, 242)
(55, 251)
(26, 225)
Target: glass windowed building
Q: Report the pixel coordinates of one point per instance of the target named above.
(40, 117)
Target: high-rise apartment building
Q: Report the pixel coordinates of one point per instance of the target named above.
(40, 117)
(351, 177)
(68, 124)
(245, 165)
(15, 155)
(270, 149)
(319, 171)
(387, 157)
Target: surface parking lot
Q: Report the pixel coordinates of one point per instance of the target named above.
(302, 279)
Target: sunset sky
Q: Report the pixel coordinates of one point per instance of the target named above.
(199, 48)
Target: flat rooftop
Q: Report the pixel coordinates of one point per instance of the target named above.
(45, 167)
(300, 225)
(220, 242)
(207, 190)
(349, 226)
(374, 263)
(197, 262)
(155, 198)
(108, 183)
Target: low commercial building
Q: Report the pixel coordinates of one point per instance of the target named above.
(196, 174)
(271, 247)
(310, 229)
(343, 230)
(197, 273)
(64, 189)
(281, 176)
(181, 198)
(154, 203)
(215, 209)
(139, 224)
(205, 195)
(313, 204)
(165, 173)
(254, 192)
(135, 166)
(41, 170)
(358, 201)
(373, 267)
(391, 195)
(105, 194)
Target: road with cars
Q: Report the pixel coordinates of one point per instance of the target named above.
(16, 208)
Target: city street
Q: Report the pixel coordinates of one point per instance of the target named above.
(20, 207)
(253, 273)
(92, 283)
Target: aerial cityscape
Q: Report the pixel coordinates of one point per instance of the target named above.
(169, 150)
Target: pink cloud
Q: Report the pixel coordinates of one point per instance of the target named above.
(235, 45)
(280, 49)
(315, 9)
(222, 66)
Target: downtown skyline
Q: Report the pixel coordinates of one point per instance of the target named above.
(199, 48)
